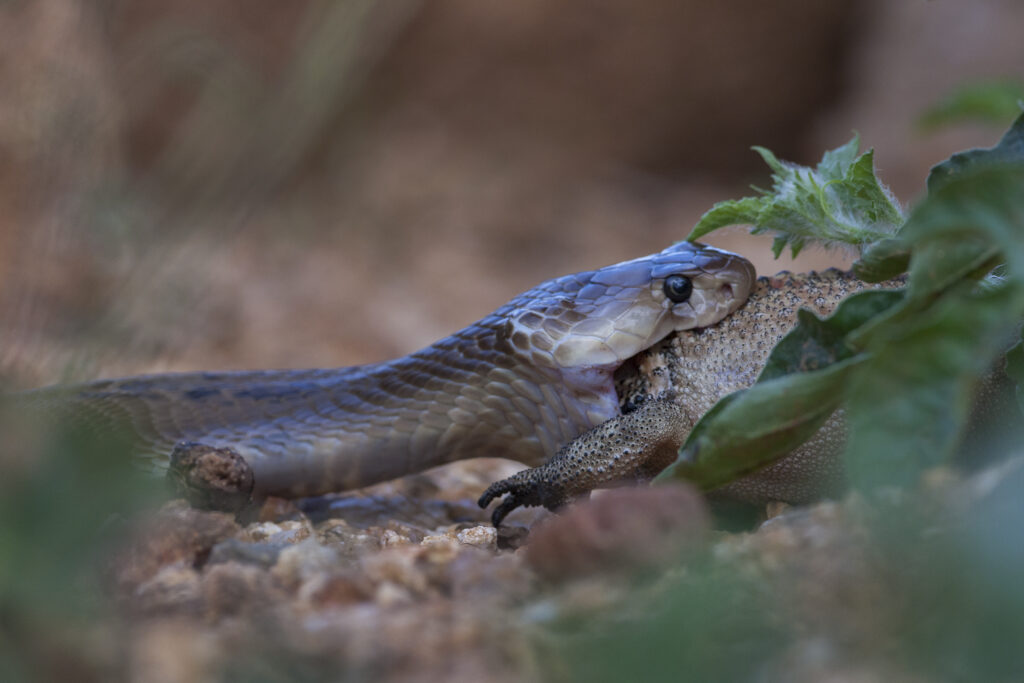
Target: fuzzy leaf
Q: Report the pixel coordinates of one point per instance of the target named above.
(838, 202)
(732, 212)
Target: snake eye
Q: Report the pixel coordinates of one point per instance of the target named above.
(678, 288)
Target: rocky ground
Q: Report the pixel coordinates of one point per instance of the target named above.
(408, 582)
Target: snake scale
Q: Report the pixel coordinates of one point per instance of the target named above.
(521, 383)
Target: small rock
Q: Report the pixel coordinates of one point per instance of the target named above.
(260, 532)
(301, 562)
(485, 537)
(442, 540)
(390, 594)
(399, 566)
(174, 589)
(392, 539)
(233, 550)
(276, 509)
(331, 590)
(291, 532)
(775, 508)
(233, 588)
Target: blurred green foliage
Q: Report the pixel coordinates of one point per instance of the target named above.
(937, 583)
(991, 102)
(904, 367)
(64, 496)
(712, 625)
(910, 588)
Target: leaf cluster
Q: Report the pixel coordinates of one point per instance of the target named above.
(904, 364)
(838, 202)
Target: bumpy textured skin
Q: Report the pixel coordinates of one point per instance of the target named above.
(626, 449)
(666, 389)
(518, 384)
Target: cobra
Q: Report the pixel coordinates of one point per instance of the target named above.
(520, 383)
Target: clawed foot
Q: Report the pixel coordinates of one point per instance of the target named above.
(524, 489)
(625, 449)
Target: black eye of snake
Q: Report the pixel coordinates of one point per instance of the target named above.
(678, 288)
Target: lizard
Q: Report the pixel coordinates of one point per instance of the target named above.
(521, 383)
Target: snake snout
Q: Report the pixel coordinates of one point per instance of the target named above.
(736, 276)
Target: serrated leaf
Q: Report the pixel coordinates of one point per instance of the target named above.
(834, 162)
(838, 202)
(770, 159)
(865, 196)
(779, 243)
(733, 212)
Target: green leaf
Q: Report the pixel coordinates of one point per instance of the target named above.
(732, 212)
(983, 206)
(834, 162)
(986, 102)
(860, 193)
(1015, 370)
(1009, 150)
(815, 343)
(754, 427)
(908, 402)
(883, 260)
(838, 202)
(943, 261)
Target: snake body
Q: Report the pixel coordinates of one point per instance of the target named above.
(519, 384)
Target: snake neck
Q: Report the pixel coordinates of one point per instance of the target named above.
(488, 399)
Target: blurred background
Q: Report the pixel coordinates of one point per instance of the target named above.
(251, 183)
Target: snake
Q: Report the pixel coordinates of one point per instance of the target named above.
(520, 383)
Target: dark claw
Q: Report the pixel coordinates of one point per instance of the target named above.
(500, 512)
(524, 489)
(495, 490)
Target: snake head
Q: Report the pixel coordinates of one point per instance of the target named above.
(598, 319)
